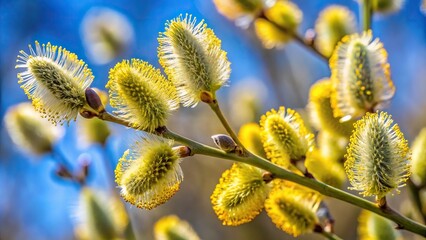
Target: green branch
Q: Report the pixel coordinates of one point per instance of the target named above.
(330, 236)
(279, 172)
(299, 39)
(367, 12)
(214, 105)
(415, 195)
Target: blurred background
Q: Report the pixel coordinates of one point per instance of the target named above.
(36, 204)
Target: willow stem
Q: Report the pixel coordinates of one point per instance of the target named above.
(367, 12)
(106, 116)
(308, 45)
(214, 105)
(299, 39)
(414, 190)
(109, 169)
(279, 172)
(330, 236)
(62, 161)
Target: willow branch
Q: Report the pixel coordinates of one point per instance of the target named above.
(299, 39)
(279, 172)
(214, 105)
(330, 236)
(414, 190)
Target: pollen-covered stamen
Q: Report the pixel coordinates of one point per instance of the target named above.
(378, 156)
(149, 174)
(192, 58)
(240, 194)
(55, 80)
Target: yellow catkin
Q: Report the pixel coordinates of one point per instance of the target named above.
(333, 23)
(29, 131)
(321, 112)
(55, 80)
(192, 58)
(106, 34)
(173, 228)
(250, 137)
(360, 76)
(324, 169)
(419, 157)
(378, 158)
(100, 216)
(235, 9)
(141, 94)
(374, 227)
(240, 194)
(149, 173)
(285, 136)
(284, 18)
(385, 6)
(293, 208)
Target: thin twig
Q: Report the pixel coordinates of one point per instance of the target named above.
(415, 190)
(299, 39)
(214, 105)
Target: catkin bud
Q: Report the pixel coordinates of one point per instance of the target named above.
(378, 157)
(149, 173)
(141, 94)
(94, 100)
(321, 112)
(55, 80)
(419, 157)
(333, 23)
(360, 75)
(192, 58)
(100, 216)
(285, 136)
(29, 131)
(94, 130)
(224, 142)
(293, 209)
(372, 226)
(240, 194)
(172, 228)
(284, 18)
